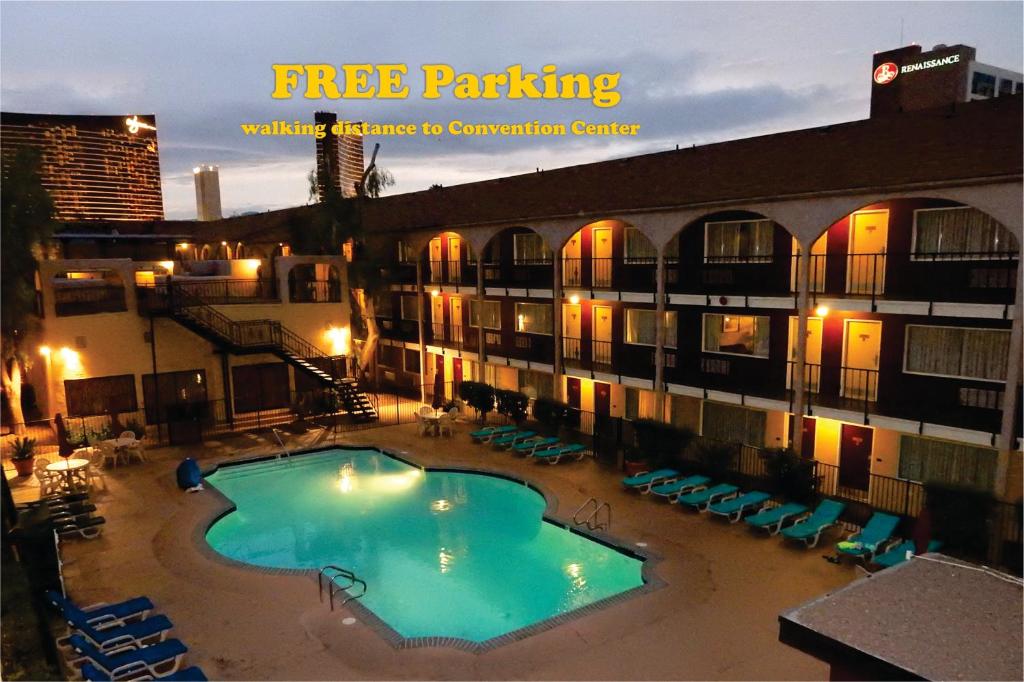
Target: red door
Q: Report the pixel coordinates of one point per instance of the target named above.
(855, 456)
(456, 371)
(572, 387)
(807, 444)
(602, 398)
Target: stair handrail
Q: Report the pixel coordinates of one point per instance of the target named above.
(334, 587)
(593, 508)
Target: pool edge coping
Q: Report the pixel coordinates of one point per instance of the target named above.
(649, 559)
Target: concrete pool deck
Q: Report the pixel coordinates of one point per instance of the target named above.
(716, 618)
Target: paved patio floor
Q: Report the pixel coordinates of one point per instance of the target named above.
(715, 619)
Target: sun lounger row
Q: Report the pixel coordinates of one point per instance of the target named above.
(121, 641)
(529, 444)
(71, 514)
(875, 543)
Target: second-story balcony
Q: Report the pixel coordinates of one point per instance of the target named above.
(457, 272)
(398, 330)
(618, 273)
(730, 275)
(753, 376)
(519, 274)
(218, 291)
(318, 291)
(969, 277)
(89, 298)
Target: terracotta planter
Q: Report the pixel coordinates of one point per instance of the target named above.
(24, 466)
(634, 468)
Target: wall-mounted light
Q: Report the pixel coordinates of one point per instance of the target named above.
(574, 299)
(435, 293)
(167, 265)
(70, 358)
(821, 311)
(339, 338)
(182, 246)
(44, 351)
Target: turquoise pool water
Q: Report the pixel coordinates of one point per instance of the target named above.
(444, 554)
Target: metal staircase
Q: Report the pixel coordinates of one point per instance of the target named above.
(243, 337)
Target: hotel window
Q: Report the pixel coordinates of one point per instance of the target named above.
(640, 403)
(171, 389)
(927, 460)
(260, 387)
(491, 314)
(100, 395)
(739, 241)
(411, 360)
(733, 424)
(534, 318)
(960, 233)
(530, 248)
(736, 334)
(384, 305)
(983, 84)
(536, 384)
(639, 249)
(410, 310)
(958, 352)
(641, 327)
(1005, 86)
(406, 254)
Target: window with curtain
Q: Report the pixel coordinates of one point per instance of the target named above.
(100, 395)
(491, 314)
(641, 327)
(534, 318)
(961, 233)
(736, 334)
(927, 460)
(672, 250)
(536, 384)
(639, 249)
(529, 247)
(383, 305)
(733, 424)
(406, 254)
(957, 352)
(409, 308)
(739, 241)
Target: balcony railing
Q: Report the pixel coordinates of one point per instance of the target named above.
(572, 351)
(320, 291)
(89, 300)
(534, 347)
(974, 276)
(633, 273)
(400, 330)
(522, 273)
(229, 291)
(731, 275)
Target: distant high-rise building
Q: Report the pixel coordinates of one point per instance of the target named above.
(339, 158)
(908, 78)
(207, 192)
(94, 167)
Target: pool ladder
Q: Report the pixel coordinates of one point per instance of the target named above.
(284, 450)
(330, 575)
(594, 514)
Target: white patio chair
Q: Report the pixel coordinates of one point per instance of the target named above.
(49, 481)
(108, 452)
(446, 424)
(95, 471)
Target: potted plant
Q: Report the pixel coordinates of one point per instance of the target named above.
(23, 455)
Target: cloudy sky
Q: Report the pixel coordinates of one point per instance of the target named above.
(692, 73)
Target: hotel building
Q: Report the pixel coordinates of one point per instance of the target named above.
(95, 167)
(851, 291)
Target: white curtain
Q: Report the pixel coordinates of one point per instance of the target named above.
(534, 318)
(958, 352)
(713, 332)
(638, 247)
(740, 241)
(926, 460)
(531, 248)
(959, 232)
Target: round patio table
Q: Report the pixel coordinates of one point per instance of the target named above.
(68, 467)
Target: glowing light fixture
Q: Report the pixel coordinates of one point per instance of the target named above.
(435, 293)
(821, 310)
(183, 245)
(167, 265)
(70, 358)
(574, 299)
(44, 351)
(339, 338)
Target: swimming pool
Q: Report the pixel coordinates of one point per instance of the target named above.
(444, 553)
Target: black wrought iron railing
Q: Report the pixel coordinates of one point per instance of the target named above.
(88, 300)
(571, 350)
(227, 291)
(319, 291)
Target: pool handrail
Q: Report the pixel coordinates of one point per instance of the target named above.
(334, 588)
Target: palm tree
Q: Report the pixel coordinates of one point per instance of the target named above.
(26, 222)
(338, 220)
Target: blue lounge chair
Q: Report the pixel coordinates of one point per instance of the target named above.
(676, 488)
(644, 481)
(190, 674)
(869, 540)
(510, 439)
(159, 659)
(898, 554)
(735, 507)
(485, 435)
(809, 530)
(771, 519)
(141, 632)
(555, 455)
(532, 445)
(702, 499)
(102, 615)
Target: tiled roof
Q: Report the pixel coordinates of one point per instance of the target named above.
(966, 142)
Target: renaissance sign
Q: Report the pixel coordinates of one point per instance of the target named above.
(886, 73)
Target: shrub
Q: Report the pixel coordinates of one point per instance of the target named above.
(659, 443)
(959, 517)
(512, 404)
(550, 413)
(715, 457)
(792, 475)
(479, 396)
